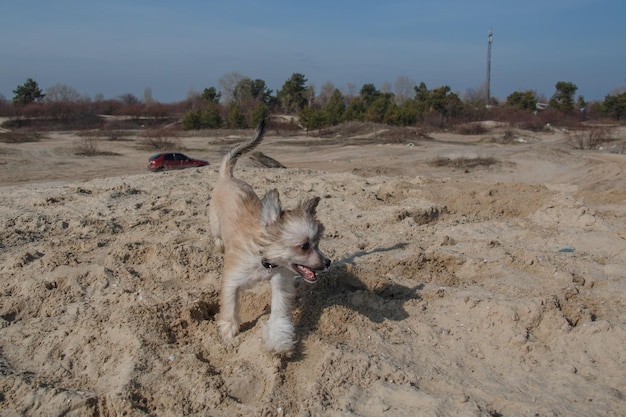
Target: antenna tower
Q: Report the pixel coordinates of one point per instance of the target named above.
(489, 40)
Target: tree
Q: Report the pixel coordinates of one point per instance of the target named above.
(379, 110)
(147, 96)
(355, 109)
(236, 119)
(422, 95)
(445, 102)
(312, 117)
(563, 98)
(248, 89)
(211, 95)
(260, 112)
(211, 117)
(369, 94)
(525, 100)
(129, 99)
(28, 92)
(403, 88)
(326, 92)
(261, 92)
(309, 94)
(193, 119)
(62, 93)
(293, 96)
(227, 83)
(615, 106)
(335, 108)
(476, 96)
(408, 113)
(350, 91)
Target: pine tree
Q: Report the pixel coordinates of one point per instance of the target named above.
(28, 92)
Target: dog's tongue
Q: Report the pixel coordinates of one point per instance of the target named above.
(307, 274)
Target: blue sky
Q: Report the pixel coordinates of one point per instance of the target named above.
(115, 47)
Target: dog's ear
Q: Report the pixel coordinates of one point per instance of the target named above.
(270, 207)
(310, 206)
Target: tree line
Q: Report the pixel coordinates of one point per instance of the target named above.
(241, 102)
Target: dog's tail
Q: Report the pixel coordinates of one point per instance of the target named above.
(230, 159)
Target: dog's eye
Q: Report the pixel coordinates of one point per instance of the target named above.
(305, 246)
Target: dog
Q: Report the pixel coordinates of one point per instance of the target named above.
(262, 242)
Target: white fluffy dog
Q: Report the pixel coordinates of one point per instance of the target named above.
(262, 242)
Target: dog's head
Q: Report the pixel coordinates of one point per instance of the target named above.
(291, 238)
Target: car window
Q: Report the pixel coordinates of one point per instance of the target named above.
(169, 157)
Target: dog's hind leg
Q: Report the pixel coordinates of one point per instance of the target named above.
(279, 331)
(214, 223)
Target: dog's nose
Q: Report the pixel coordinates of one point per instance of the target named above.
(326, 262)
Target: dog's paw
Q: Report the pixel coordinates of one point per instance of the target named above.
(228, 330)
(279, 335)
(219, 244)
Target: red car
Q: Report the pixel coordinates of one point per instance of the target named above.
(173, 160)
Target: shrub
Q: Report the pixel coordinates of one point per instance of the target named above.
(87, 147)
(90, 146)
(591, 138)
(157, 139)
(463, 162)
(19, 137)
(114, 135)
(476, 128)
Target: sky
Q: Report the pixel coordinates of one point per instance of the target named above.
(117, 47)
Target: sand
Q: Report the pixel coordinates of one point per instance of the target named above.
(488, 290)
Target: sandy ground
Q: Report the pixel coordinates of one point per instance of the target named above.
(472, 291)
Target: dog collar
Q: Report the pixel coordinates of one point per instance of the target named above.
(267, 265)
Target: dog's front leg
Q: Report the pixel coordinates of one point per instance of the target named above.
(279, 331)
(229, 312)
(229, 308)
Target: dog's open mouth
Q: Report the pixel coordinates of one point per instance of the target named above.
(307, 273)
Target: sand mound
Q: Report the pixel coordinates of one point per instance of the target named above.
(447, 296)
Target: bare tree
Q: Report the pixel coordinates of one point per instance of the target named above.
(62, 92)
(147, 96)
(326, 92)
(404, 88)
(129, 99)
(351, 90)
(228, 83)
(617, 91)
(476, 95)
(310, 94)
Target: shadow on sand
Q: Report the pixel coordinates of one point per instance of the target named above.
(378, 299)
